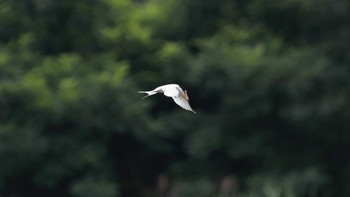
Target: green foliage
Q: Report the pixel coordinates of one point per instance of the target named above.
(91, 188)
(269, 82)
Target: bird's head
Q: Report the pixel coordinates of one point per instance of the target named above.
(186, 95)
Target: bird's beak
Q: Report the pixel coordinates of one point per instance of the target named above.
(186, 96)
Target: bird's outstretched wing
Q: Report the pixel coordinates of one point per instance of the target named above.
(182, 102)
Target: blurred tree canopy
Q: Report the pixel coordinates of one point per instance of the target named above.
(270, 83)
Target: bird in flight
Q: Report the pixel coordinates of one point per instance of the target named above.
(174, 91)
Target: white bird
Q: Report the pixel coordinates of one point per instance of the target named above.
(174, 91)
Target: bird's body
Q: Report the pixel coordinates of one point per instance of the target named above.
(174, 91)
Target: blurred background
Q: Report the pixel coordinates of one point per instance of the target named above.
(269, 81)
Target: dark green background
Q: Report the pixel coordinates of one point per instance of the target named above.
(269, 81)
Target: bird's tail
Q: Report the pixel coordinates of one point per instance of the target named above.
(149, 93)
